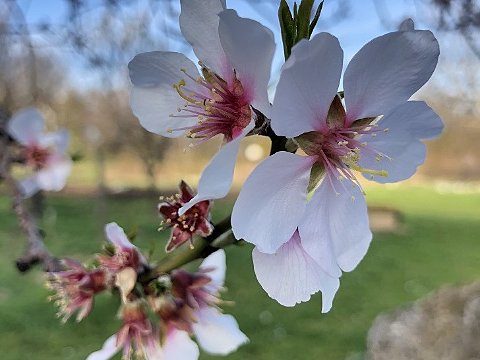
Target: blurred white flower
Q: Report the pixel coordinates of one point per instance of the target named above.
(44, 153)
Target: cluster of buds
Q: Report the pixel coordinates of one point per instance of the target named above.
(159, 313)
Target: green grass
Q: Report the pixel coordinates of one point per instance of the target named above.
(438, 245)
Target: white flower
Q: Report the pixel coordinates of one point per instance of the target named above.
(378, 134)
(44, 153)
(171, 98)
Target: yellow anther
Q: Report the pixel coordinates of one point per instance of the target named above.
(178, 86)
(386, 130)
(169, 130)
(353, 165)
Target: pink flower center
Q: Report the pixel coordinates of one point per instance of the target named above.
(220, 107)
(338, 148)
(36, 156)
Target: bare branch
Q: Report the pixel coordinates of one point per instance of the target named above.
(36, 251)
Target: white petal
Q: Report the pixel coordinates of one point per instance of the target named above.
(26, 126)
(407, 125)
(217, 333)
(291, 276)
(272, 201)
(178, 345)
(216, 179)
(249, 47)
(388, 71)
(29, 186)
(55, 175)
(59, 140)
(199, 24)
(335, 228)
(116, 235)
(218, 262)
(153, 98)
(308, 83)
(402, 162)
(414, 117)
(108, 350)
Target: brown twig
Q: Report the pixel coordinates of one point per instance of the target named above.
(36, 251)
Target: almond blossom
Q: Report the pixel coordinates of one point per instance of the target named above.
(195, 221)
(75, 289)
(307, 215)
(43, 153)
(171, 98)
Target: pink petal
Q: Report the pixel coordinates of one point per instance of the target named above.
(199, 24)
(388, 71)
(249, 47)
(291, 276)
(153, 98)
(308, 83)
(26, 126)
(335, 228)
(272, 201)
(216, 179)
(217, 333)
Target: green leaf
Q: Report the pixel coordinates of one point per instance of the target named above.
(315, 19)
(287, 26)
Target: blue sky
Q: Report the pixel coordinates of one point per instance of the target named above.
(360, 26)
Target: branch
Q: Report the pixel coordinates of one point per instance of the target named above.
(36, 251)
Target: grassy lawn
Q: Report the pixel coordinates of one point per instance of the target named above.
(438, 245)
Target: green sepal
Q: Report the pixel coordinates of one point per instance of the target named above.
(303, 20)
(316, 175)
(132, 234)
(287, 26)
(315, 19)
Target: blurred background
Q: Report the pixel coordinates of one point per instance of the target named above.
(69, 58)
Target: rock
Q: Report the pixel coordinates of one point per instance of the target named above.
(443, 326)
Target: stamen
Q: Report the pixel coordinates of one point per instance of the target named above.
(179, 86)
(368, 171)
